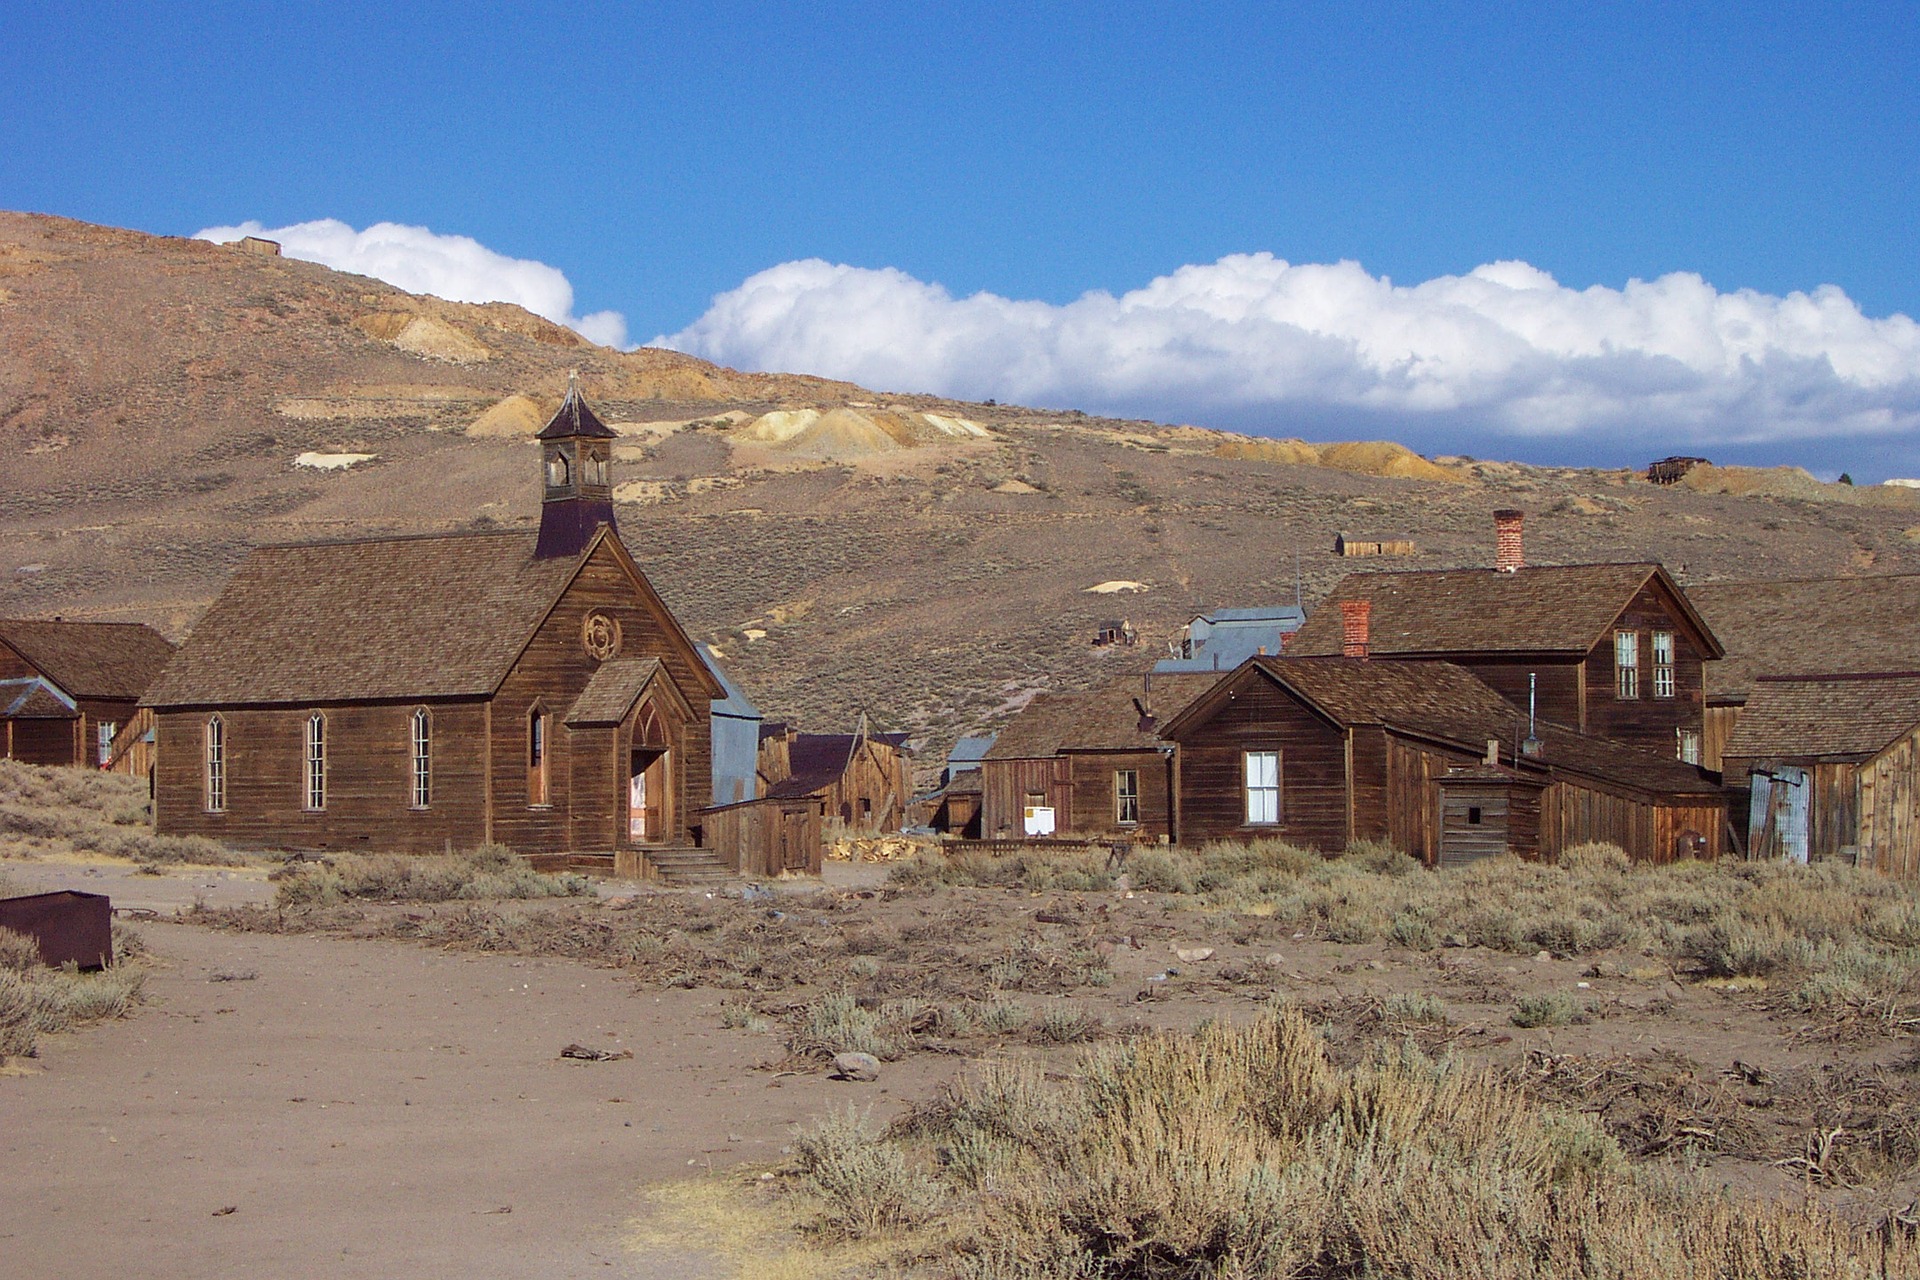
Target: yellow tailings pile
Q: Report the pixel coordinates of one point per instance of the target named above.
(1363, 457)
(846, 434)
(517, 415)
(1793, 482)
(423, 336)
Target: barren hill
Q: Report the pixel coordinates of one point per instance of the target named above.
(165, 403)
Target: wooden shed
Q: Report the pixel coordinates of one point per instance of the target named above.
(1326, 751)
(782, 835)
(1346, 544)
(860, 778)
(67, 688)
(1833, 763)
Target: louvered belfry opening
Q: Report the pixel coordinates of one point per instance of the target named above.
(576, 457)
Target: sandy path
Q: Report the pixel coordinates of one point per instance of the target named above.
(370, 1108)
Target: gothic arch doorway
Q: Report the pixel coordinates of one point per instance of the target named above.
(649, 797)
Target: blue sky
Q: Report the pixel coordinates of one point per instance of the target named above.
(662, 156)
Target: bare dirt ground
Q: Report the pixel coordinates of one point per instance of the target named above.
(372, 1108)
(373, 1089)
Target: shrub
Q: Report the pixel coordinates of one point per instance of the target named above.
(18, 952)
(867, 1184)
(1380, 858)
(489, 872)
(1069, 1024)
(1416, 1006)
(1555, 1009)
(1596, 857)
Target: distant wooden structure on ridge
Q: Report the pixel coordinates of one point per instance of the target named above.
(1345, 544)
(1671, 470)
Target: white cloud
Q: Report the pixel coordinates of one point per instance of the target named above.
(1504, 350)
(419, 260)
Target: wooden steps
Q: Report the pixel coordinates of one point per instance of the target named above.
(679, 866)
(688, 866)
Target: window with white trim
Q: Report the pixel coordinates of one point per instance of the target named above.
(1263, 787)
(421, 733)
(1626, 664)
(1687, 745)
(104, 733)
(316, 761)
(1663, 681)
(1126, 797)
(216, 790)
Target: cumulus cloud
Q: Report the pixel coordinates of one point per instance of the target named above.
(419, 260)
(1502, 351)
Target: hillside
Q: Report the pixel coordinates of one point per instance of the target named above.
(924, 560)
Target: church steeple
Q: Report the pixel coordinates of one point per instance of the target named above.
(576, 461)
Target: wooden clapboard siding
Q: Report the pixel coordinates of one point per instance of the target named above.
(1834, 822)
(1369, 785)
(1313, 770)
(552, 671)
(1556, 681)
(1091, 778)
(1716, 728)
(1005, 785)
(769, 836)
(369, 778)
(1889, 809)
(1463, 840)
(43, 741)
(1646, 721)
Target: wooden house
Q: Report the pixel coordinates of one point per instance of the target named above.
(860, 778)
(1612, 650)
(955, 810)
(1090, 764)
(67, 688)
(1795, 626)
(1833, 763)
(427, 693)
(1427, 757)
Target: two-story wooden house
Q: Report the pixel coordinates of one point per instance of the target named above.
(1612, 650)
(426, 693)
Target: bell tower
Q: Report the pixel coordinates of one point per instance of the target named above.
(576, 455)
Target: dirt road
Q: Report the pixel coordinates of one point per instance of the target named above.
(379, 1109)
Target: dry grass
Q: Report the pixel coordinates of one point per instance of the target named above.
(35, 1000)
(1242, 1152)
(1837, 944)
(490, 872)
(67, 812)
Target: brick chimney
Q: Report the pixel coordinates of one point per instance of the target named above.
(1354, 617)
(1506, 541)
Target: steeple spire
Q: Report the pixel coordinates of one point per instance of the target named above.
(576, 463)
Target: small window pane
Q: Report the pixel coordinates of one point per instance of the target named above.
(1263, 787)
(422, 760)
(1663, 679)
(216, 765)
(1126, 796)
(316, 756)
(1626, 663)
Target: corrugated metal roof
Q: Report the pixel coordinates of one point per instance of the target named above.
(1261, 613)
(970, 750)
(736, 704)
(1828, 715)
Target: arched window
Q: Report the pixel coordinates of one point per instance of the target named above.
(316, 760)
(421, 725)
(558, 473)
(537, 756)
(216, 758)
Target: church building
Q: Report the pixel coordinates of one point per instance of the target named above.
(419, 694)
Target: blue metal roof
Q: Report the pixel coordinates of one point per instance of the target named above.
(970, 750)
(1222, 639)
(736, 704)
(1266, 613)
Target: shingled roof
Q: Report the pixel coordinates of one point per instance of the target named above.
(91, 659)
(1826, 716)
(1442, 701)
(378, 618)
(1538, 609)
(1809, 626)
(815, 761)
(616, 685)
(1104, 718)
(575, 417)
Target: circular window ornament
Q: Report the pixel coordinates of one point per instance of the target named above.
(600, 636)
